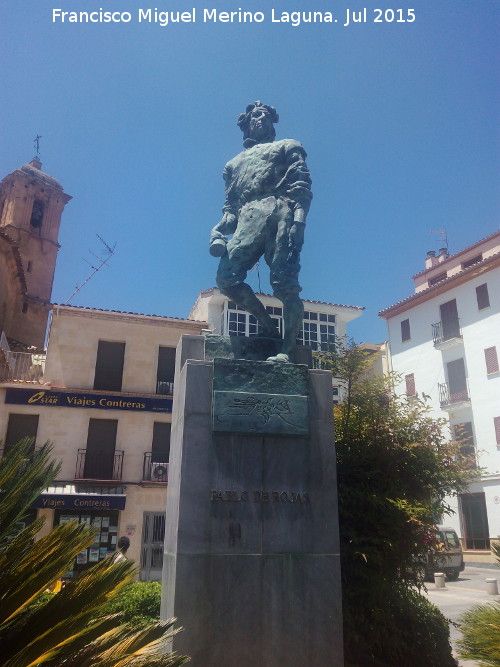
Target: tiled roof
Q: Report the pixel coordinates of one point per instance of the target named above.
(440, 284)
(457, 254)
(125, 312)
(324, 303)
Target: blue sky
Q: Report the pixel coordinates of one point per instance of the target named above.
(137, 121)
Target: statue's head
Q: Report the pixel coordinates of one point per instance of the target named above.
(257, 124)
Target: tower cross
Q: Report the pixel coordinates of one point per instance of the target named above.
(37, 144)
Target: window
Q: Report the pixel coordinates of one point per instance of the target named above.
(318, 331)
(471, 262)
(410, 385)
(464, 436)
(160, 450)
(25, 307)
(496, 423)
(166, 370)
(457, 382)
(482, 296)
(153, 535)
(449, 320)
(475, 521)
(237, 322)
(100, 453)
(104, 541)
(336, 395)
(20, 426)
(277, 315)
(37, 214)
(109, 366)
(491, 359)
(437, 279)
(405, 330)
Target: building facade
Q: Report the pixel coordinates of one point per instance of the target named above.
(102, 394)
(444, 342)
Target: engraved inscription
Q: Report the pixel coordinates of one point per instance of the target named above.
(259, 496)
(263, 409)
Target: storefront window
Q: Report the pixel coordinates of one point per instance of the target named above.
(106, 536)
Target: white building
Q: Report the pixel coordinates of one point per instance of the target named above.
(323, 322)
(444, 341)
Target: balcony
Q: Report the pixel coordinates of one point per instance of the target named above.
(21, 367)
(102, 466)
(154, 471)
(454, 399)
(446, 335)
(165, 388)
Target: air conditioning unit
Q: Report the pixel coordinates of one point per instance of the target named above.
(159, 472)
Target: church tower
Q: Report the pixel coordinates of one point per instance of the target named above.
(31, 205)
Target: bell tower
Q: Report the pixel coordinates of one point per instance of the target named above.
(31, 205)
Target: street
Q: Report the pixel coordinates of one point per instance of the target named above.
(460, 595)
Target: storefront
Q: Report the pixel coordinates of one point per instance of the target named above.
(98, 508)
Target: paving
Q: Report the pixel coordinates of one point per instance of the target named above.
(458, 596)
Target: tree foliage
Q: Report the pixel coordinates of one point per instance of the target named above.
(70, 628)
(395, 468)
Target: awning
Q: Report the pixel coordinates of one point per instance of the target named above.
(74, 497)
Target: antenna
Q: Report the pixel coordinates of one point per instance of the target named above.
(442, 234)
(102, 261)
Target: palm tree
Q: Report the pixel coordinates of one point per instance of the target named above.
(68, 629)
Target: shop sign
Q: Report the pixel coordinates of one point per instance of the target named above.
(59, 501)
(66, 399)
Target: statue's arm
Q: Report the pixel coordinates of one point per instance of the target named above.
(298, 190)
(226, 225)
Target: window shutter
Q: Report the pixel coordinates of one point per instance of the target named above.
(496, 421)
(410, 384)
(482, 296)
(405, 330)
(491, 358)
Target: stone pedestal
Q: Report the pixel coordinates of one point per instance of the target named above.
(251, 564)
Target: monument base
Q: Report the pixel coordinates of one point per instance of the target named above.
(251, 563)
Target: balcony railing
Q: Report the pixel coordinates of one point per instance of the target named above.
(101, 465)
(154, 471)
(451, 398)
(166, 388)
(21, 366)
(450, 331)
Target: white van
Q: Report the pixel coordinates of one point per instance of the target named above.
(447, 557)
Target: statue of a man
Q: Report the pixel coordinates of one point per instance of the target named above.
(268, 193)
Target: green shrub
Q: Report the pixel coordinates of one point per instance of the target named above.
(138, 603)
(480, 628)
(481, 634)
(400, 628)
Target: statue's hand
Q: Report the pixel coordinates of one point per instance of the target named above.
(218, 243)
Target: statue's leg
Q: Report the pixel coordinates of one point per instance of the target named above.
(243, 251)
(293, 314)
(285, 267)
(244, 296)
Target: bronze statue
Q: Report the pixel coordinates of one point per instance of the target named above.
(268, 193)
